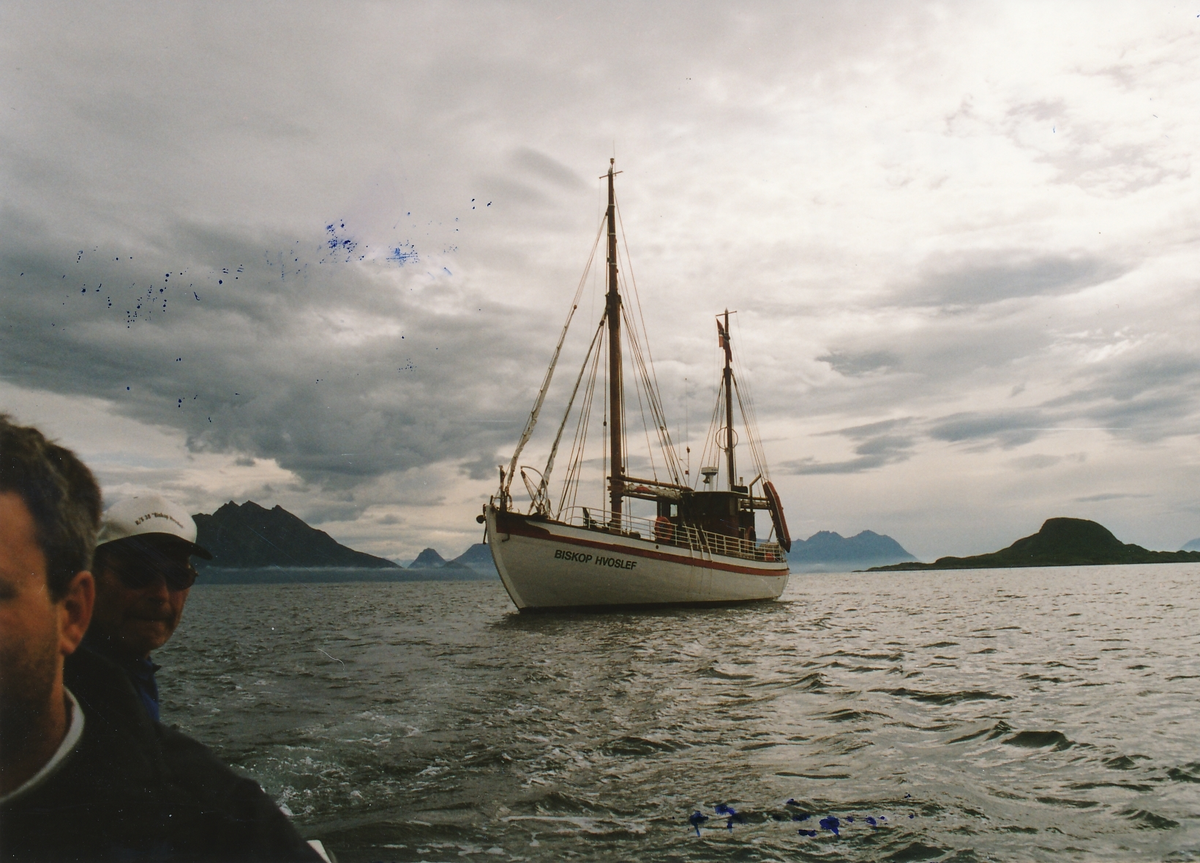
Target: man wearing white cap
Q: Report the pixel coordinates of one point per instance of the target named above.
(143, 575)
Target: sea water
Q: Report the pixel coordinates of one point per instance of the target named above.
(1022, 714)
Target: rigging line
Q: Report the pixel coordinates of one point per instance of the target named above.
(658, 416)
(541, 396)
(639, 381)
(579, 444)
(746, 404)
(604, 450)
(750, 417)
(637, 296)
(567, 412)
(751, 434)
(710, 437)
(653, 397)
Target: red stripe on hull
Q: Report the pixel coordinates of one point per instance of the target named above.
(512, 523)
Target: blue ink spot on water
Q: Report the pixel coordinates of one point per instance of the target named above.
(725, 809)
(831, 824)
(849, 819)
(807, 832)
(696, 819)
(872, 821)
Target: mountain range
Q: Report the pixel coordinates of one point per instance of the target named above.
(1060, 542)
(826, 551)
(249, 537)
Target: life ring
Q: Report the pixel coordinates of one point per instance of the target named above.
(664, 531)
(775, 507)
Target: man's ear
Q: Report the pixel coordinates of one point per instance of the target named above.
(75, 612)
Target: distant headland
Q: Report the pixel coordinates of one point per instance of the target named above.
(1060, 542)
(827, 551)
(251, 544)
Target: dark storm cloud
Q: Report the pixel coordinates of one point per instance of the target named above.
(988, 429)
(341, 369)
(878, 444)
(547, 168)
(1140, 397)
(857, 364)
(1100, 498)
(980, 278)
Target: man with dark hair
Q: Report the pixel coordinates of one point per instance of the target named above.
(143, 577)
(85, 774)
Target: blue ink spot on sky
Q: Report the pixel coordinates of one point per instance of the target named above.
(196, 295)
(219, 282)
(446, 270)
(404, 254)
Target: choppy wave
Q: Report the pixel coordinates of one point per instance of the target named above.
(987, 715)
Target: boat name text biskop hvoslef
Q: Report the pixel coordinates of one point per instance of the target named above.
(581, 557)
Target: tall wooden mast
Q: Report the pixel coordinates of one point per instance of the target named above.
(728, 398)
(615, 390)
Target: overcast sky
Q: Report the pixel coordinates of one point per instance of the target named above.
(318, 255)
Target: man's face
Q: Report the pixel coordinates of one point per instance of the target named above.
(32, 639)
(140, 618)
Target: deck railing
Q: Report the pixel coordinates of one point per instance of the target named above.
(665, 532)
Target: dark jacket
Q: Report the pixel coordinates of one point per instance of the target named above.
(139, 671)
(136, 790)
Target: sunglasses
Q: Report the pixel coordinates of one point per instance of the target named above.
(137, 572)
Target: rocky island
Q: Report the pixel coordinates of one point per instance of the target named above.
(251, 544)
(1060, 542)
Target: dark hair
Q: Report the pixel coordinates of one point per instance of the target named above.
(61, 494)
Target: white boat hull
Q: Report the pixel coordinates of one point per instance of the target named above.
(545, 564)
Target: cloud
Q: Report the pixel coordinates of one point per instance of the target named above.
(944, 214)
(985, 429)
(337, 367)
(859, 364)
(981, 278)
(1099, 498)
(878, 444)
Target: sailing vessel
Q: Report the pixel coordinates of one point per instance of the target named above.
(692, 545)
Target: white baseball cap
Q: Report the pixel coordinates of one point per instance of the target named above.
(148, 515)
